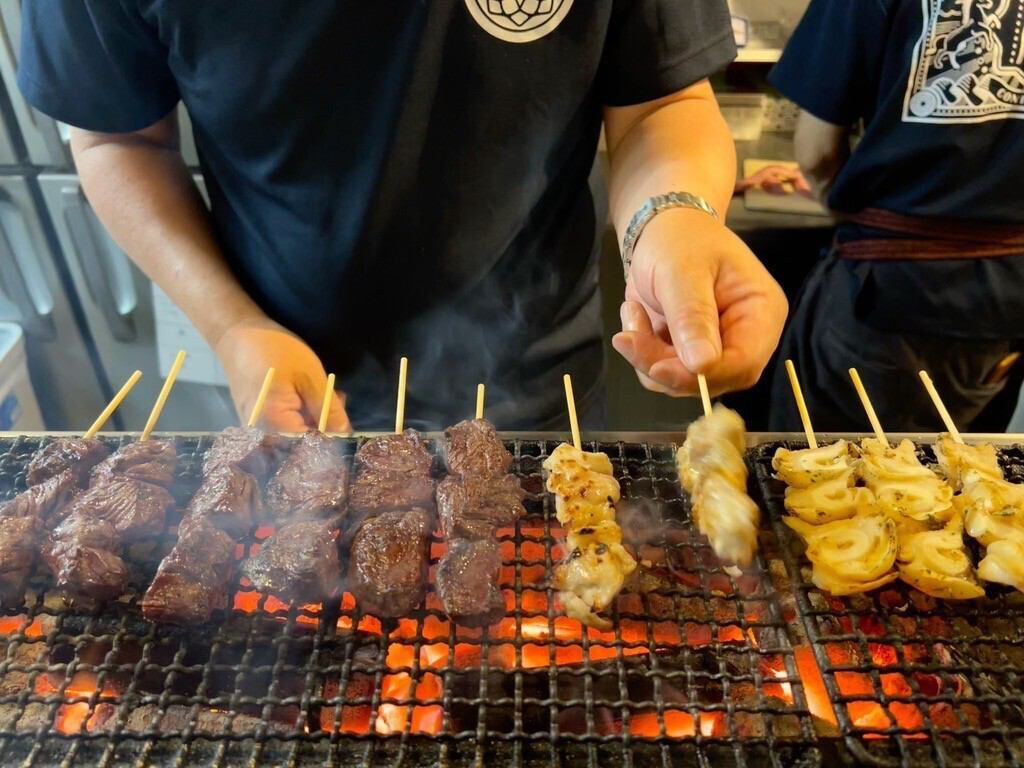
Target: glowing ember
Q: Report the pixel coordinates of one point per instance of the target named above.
(678, 724)
(74, 717)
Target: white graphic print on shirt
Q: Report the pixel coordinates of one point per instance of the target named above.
(519, 21)
(969, 63)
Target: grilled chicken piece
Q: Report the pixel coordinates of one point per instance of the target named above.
(714, 445)
(67, 453)
(248, 448)
(474, 507)
(193, 580)
(299, 562)
(589, 579)
(135, 509)
(956, 460)
(149, 461)
(311, 483)
(387, 567)
(83, 555)
(473, 448)
(467, 582)
(728, 517)
(19, 542)
(229, 499)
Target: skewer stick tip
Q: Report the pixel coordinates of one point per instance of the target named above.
(403, 373)
(112, 405)
(325, 407)
(480, 394)
(257, 409)
(801, 404)
(869, 409)
(574, 423)
(940, 406)
(161, 399)
(705, 396)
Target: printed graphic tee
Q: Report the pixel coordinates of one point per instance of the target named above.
(939, 85)
(395, 178)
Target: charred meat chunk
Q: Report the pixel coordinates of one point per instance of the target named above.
(473, 507)
(404, 453)
(387, 568)
(40, 500)
(19, 542)
(311, 483)
(299, 562)
(467, 582)
(67, 453)
(247, 448)
(229, 499)
(193, 580)
(149, 461)
(82, 555)
(135, 509)
(377, 492)
(474, 448)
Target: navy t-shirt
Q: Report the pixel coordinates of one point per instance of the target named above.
(394, 177)
(940, 89)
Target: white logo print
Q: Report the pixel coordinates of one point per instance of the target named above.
(969, 63)
(519, 21)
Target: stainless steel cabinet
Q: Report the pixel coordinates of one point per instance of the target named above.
(32, 295)
(118, 304)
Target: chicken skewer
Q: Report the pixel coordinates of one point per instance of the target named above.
(713, 471)
(596, 565)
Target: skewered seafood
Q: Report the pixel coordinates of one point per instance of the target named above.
(835, 498)
(810, 466)
(596, 566)
(936, 563)
(712, 468)
(957, 460)
(850, 556)
(902, 484)
(1004, 563)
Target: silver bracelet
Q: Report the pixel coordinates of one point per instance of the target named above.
(652, 208)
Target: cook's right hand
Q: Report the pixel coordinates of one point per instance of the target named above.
(249, 348)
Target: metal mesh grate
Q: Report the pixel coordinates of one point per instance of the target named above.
(700, 668)
(913, 680)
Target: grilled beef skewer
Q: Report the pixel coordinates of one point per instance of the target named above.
(391, 515)
(477, 498)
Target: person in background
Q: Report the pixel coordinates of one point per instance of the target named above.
(393, 179)
(927, 269)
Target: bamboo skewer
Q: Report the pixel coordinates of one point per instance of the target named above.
(403, 372)
(480, 392)
(705, 397)
(325, 408)
(112, 405)
(570, 402)
(869, 409)
(801, 405)
(257, 409)
(165, 390)
(940, 406)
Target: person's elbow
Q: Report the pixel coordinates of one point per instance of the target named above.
(161, 136)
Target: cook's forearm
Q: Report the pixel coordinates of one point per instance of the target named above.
(822, 150)
(144, 195)
(682, 144)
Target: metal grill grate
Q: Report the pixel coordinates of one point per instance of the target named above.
(913, 680)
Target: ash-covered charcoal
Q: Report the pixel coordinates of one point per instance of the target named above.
(474, 507)
(177, 718)
(405, 453)
(19, 542)
(136, 509)
(387, 568)
(474, 448)
(82, 554)
(311, 483)
(248, 448)
(382, 491)
(67, 453)
(229, 498)
(149, 461)
(299, 562)
(193, 580)
(42, 499)
(467, 582)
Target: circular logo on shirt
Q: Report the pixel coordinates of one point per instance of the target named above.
(519, 21)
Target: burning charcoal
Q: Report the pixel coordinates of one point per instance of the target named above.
(229, 499)
(381, 491)
(474, 507)
(299, 562)
(473, 448)
(405, 453)
(41, 499)
(311, 483)
(76, 454)
(135, 509)
(250, 449)
(81, 554)
(193, 580)
(19, 541)
(467, 582)
(149, 461)
(387, 570)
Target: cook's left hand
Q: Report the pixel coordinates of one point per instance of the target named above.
(776, 180)
(698, 301)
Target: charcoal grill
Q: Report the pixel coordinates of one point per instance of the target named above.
(702, 668)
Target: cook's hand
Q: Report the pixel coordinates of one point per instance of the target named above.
(776, 180)
(248, 349)
(698, 301)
